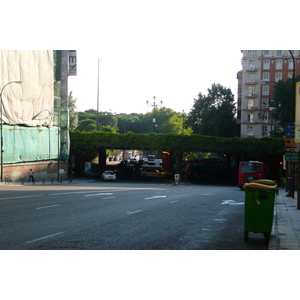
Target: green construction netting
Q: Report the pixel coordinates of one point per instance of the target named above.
(21, 144)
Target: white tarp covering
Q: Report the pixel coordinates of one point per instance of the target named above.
(30, 103)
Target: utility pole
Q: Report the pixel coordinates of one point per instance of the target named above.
(98, 95)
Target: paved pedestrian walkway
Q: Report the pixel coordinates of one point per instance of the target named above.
(286, 227)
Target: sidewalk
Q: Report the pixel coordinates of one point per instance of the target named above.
(286, 227)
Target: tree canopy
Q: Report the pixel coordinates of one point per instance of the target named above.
(283, 101)
(214, 114)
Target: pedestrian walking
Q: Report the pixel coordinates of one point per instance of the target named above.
(31, 175)
(61, 172)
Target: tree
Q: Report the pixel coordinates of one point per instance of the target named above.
(73, 114)
(283, 101)
(87, 125)
(214, 114)
(166, 121)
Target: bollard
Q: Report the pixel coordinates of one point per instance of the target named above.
(43, 180)
(22, 180)
(52, 179)
(176, 177)
(6, 180)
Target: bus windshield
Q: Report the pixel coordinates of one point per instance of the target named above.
(251, 168)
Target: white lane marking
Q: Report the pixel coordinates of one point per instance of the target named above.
(42, 207)
(174, 201)
(133, 212)
(231, 202)
(220, 220)
(44, 237)
(71, 193)
(155, 197)
(99, 194)
(109, 198)
(22, 197)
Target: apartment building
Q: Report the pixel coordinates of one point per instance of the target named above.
(261, 70)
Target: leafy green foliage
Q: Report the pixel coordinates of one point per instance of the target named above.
(284, 101)
(86, 144)
(167, 121)
(214, 114)
(72, 112)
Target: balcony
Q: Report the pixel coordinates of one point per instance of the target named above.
(251, 95)
(254, 108)
(251, 69)
(251, 82)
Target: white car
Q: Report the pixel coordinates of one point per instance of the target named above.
(109, 175)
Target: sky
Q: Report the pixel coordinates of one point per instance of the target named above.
(168, 49)
(165, 49)
(172, 74)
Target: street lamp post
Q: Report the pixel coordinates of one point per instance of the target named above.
(1, 129)
(154, 105)
(58, 137)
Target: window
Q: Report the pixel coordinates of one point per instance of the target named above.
(250, 103)
(290, 75)
(278, 76)
(266, 76)
(252, 51)
(278, 64)
(250, 90)
(265, 103)
(264, 130)
(266, 52)
(250, 130)
(251, 76)
(250, 118)
(279, 53)
(291, 64)
(266, 64)
(251, 64)
(264, 117)
(265, 90)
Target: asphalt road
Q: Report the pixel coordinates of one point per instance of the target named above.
(124, 215)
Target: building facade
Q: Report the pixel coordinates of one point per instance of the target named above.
(261, 70)
(34, 113)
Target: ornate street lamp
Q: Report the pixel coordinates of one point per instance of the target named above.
(154, 105)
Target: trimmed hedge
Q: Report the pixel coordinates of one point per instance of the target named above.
(87, 143)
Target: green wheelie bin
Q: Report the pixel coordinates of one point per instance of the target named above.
(259, 208)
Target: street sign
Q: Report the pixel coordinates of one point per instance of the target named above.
(297, 133)
(290, 142)
(291, 157)
(289, 127)
(290, 149)
(290, 134)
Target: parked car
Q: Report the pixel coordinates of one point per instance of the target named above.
(151, 160)
(132, 160)
(153, 173)
(109, 175)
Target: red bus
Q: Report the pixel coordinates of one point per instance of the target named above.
(251, 170)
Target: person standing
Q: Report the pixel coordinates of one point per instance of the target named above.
(31, 175)
(61, 172)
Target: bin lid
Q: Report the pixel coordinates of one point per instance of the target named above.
(268, 181)
(259, 185)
